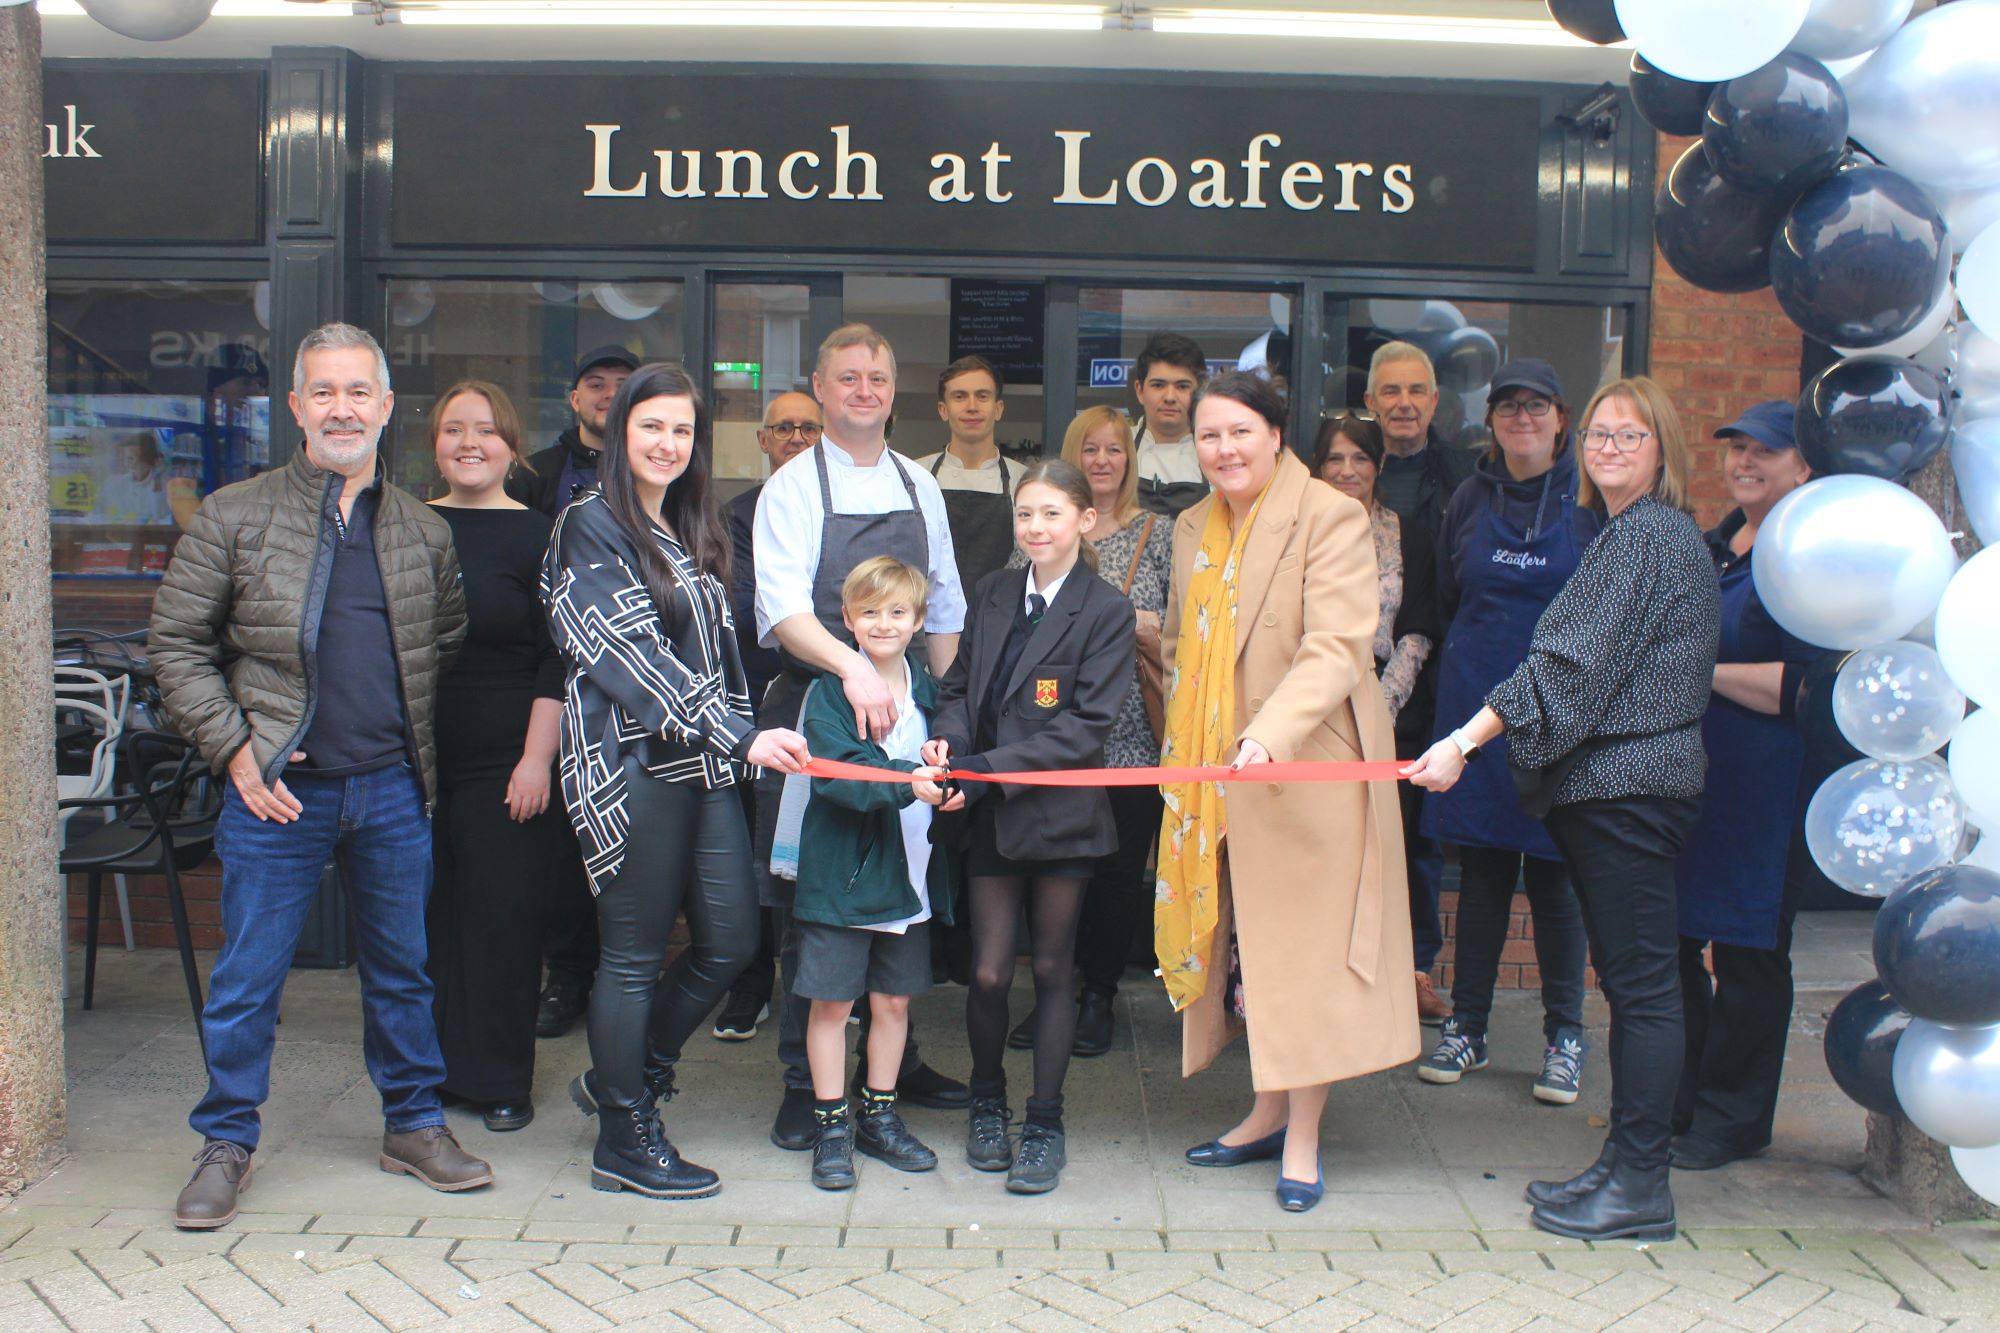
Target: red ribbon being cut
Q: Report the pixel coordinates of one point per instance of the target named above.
(1382, 771)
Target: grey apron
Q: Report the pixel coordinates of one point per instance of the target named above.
(982, 528)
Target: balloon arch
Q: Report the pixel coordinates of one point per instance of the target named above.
(1849, 158)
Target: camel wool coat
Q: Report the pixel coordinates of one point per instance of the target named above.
(1314, 882)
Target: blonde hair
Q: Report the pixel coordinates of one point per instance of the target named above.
(881, 579)
(1089, 420)
(1649, 402)
(1399, 351)
(854, 335)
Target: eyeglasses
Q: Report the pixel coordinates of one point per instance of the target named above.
(785, 430)
(1348, 414)
(1626, 441)
(1513, 407)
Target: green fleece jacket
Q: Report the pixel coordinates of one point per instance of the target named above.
(852, 871)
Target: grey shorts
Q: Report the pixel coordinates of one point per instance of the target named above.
(845, 962)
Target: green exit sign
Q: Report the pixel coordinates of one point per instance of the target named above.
(754, 369)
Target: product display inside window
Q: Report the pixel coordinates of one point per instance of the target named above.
(159, 392)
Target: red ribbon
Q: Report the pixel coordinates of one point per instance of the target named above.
(1388, 770)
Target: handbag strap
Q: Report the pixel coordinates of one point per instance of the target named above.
(1138, 551)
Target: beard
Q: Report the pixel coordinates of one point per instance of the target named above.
(338, 457)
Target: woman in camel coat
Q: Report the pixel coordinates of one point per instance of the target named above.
(1292, 927)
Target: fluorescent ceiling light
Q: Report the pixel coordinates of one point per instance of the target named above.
(760, 14)
(1364, 27)
(224, 9)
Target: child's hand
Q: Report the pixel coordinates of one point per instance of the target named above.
(937, 752)
(926, 785)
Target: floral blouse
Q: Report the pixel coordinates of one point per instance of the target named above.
(1131, 743)
(1400, 649)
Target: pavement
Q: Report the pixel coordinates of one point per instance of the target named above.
(1422, 1227)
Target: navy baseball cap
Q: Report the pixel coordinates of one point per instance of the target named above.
(611, 354)
(1771, 424)
(1526, 373)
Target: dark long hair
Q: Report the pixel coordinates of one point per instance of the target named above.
(689, 509)
(1068, 478)
(1365, 434)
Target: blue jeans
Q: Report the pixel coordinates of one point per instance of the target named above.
(375, 825)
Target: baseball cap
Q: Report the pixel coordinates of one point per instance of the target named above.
(611, 354)
(1526, 373)
(1771, 424)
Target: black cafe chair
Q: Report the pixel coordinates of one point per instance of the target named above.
(163, 827)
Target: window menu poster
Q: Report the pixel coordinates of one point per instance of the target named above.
(1001, 321)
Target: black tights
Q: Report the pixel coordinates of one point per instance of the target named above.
(1053, 904)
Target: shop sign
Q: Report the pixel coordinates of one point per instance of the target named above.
(946, 161)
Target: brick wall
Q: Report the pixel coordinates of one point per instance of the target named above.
(152, 923)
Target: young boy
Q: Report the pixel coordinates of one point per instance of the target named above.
(868, 885)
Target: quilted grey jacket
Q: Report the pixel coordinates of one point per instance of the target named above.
(236, 622)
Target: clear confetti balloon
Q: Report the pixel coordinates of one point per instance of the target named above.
(1896, 702)
(1875, 825)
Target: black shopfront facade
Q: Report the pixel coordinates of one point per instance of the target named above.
(492, 221)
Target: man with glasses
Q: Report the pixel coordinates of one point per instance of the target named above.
(791, 426)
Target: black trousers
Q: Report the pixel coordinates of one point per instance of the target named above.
(1737, 1021)
(1486, 880)
(687, 851)
(569, 928)
(1118, 897)
(1621, 856)
(493, 878)
(761, 974)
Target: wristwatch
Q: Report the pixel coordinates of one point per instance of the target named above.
(1467, 747)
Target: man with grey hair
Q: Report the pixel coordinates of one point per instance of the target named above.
(298, 638)
(1418, 473)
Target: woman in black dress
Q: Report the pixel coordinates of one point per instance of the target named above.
(503, 852)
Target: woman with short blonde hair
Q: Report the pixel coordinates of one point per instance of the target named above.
(1088, 423)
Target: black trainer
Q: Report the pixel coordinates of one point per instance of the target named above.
(881, 1134)
(740, 1016)
(925, 1087)
(794, 1130)
(987, 1145)
(833, 1155)
(1093, 1025)
(563, 1002)
(633, 1154)
(1038, 1165)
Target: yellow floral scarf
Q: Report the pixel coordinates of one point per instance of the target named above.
(1201, 725)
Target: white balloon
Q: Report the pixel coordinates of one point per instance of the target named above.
(1974, 360)
(1851, 561)
(1968, 627)
(1975, 766)
(1978, 279)
(1708, 41)
(1948, 1081)
(1966, 213)
(1975, 458)
(150, 20)
(1839, 29)
(1979, 1168)
(1395, 315)
(1928, 102)
(1922, 336)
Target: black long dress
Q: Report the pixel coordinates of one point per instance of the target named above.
(495, 879)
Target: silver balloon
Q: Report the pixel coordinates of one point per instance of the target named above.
(1966, 213)
(1851, 561)
(1968, 632)
(1840, 29)
(1708, 41)
(150, 20)
(1975, 458)
(1895, 702)
(1974, 362)
(1873, 826)
(1928, 102)
(1948, 1080)
(1975, 766)
(1978, 280)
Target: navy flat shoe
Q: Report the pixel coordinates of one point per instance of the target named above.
(1217, 1153)
(1299, 1196)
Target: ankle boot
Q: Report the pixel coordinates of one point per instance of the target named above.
(1542, 1193)
(633, 1154)
(1632, 1203)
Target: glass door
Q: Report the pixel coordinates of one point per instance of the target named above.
(763, 334)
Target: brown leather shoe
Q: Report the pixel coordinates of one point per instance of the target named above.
(433, 1156)
(208, 1200)
(1432, 1008)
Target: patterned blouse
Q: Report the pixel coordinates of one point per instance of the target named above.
(1624, 659)
(1131, 743)
(1400, 650)
(672, 695)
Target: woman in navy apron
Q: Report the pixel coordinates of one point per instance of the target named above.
(1512, 536)
(1736, 899)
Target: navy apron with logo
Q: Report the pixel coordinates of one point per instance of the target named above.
(982, 528)
(845, 541)
(1732, 876)
(1509, 579)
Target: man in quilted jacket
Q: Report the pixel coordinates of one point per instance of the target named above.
(298, 638)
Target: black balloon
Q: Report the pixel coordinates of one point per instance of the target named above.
(1670, 105)
(1861, 258)
(1937, 946)
(1593, 20)
(1716, 236)
(1777, 129)
(1880, 416)
(1861, 1036)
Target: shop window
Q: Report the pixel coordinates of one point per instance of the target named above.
(762, 347)
(523, 336)
(1467, 341)
(1236, 330)
(159, 392)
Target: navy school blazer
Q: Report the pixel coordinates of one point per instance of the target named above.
(1056, 711)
